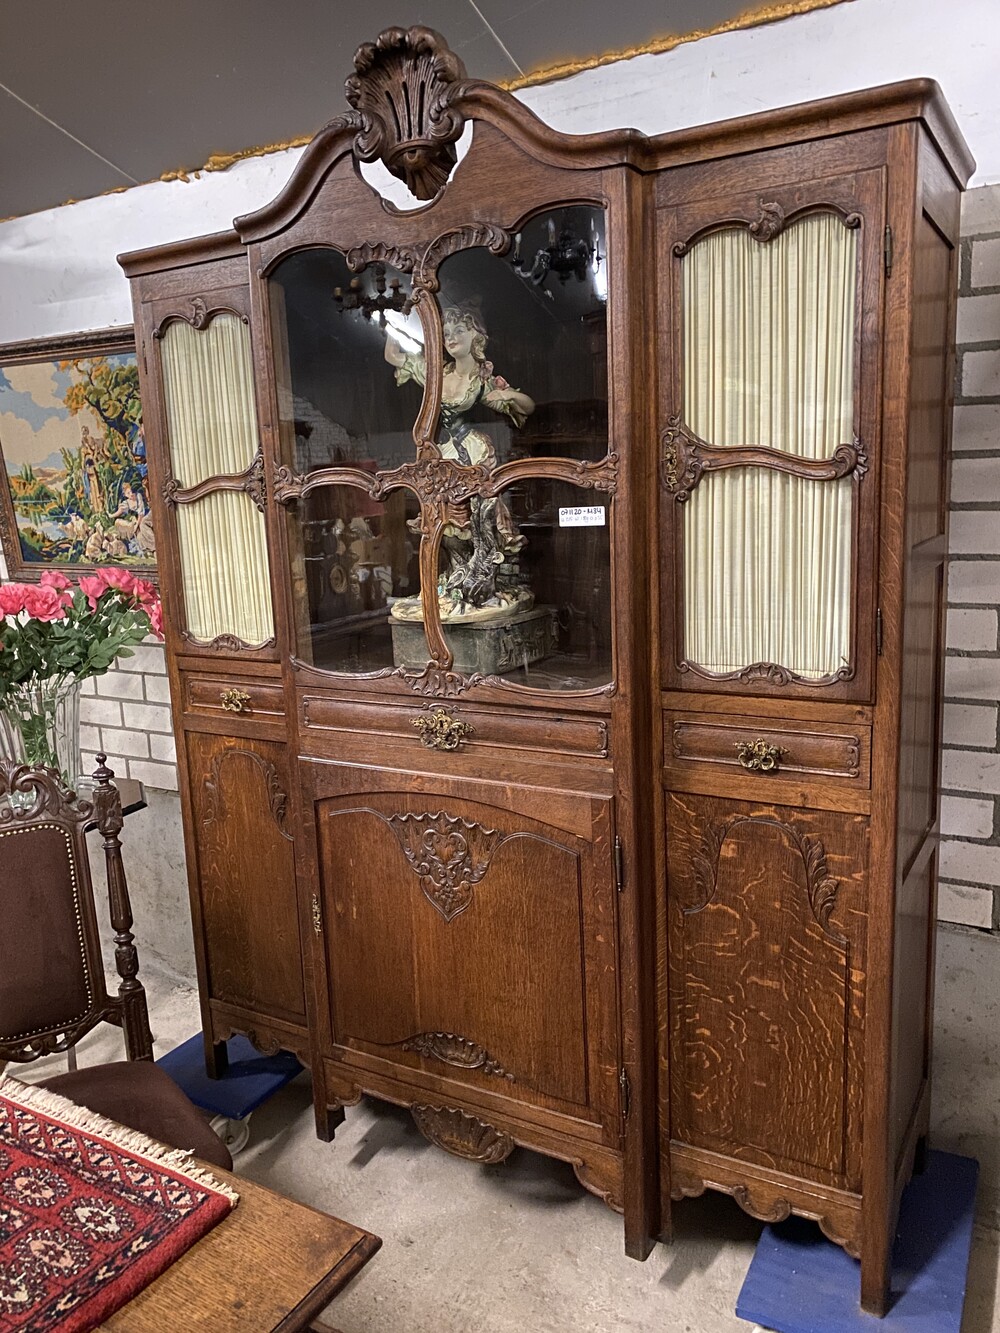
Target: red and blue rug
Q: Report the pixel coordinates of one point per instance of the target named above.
(90, 1212)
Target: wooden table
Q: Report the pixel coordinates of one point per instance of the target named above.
(269, 1267)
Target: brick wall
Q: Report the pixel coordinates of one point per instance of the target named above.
(126, 713)
(970, 850)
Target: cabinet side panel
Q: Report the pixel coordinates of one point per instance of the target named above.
(934, 278)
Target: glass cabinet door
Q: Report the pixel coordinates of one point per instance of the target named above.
(764, 454)
(216, 482)
(479, 389)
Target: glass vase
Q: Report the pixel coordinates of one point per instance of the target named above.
(40, 725)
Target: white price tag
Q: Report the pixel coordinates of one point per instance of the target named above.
(582, 516)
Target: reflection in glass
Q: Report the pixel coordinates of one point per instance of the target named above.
(481, 579)
(544, 304)
(558, 637)
(353, 557)
(330, 327)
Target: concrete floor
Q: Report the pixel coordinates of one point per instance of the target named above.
(521, 1247)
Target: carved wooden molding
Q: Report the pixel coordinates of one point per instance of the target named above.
(684, 459)
(250, 480)
(768, 1204)
(437, 682)
(277, 798)
(376, 252)
(50, 795)
(462, 1135)
(400, 90)
(227, 643)
(482, 235)
(767, 673)
(449, 854)
(821, 886)
(770, 220)
(452, 1049)
(198, 314)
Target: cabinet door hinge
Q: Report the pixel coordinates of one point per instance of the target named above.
(619, 865)
(878, 632)
(887, 249)
(626, 1092)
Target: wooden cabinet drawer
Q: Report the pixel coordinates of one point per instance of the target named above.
(762, 748)
(221, 695)
(527, 734)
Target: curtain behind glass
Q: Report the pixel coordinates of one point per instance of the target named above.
(212, 424)
(768, 360)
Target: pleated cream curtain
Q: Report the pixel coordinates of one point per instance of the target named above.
(768, 360)
(212, 424)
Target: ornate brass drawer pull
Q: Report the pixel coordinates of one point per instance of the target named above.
(439, 730)
(758, 756)
(235, 701)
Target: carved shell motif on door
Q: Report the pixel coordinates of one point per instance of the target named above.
(449, 854)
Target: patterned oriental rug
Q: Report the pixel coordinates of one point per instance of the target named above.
(90, 1212)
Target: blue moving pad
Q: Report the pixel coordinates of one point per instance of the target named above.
(250, 1079)
(799, 1282)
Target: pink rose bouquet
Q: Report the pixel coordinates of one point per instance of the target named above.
(52, 636)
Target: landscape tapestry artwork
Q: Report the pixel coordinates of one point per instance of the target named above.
(74, 456)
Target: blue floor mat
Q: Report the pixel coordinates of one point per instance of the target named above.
(249, 1081)
(799, 1282)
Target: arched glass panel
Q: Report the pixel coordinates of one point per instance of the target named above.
(353, 558)
(336, 400)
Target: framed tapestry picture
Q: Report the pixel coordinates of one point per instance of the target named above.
(74, 490)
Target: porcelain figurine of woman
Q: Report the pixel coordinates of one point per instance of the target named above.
(482, 580)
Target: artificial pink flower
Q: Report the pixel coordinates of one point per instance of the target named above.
(94, 586)
(12, 598)
(43, 603)
(116, 577)
(144, 592)
(155, 613)
(58, 583)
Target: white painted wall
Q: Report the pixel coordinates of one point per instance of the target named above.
(57, 268)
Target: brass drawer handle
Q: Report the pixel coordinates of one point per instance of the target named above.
(235, 701)
(440, 731)
(758, 756)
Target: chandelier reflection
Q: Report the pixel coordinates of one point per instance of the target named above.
(387, 296)
(566, 256)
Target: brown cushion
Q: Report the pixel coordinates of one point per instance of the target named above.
(141, 1096)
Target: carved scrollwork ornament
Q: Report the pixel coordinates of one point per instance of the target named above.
(769, 222)
(401, 89)
(254, 483)
(680, 465)
(462, 1135)
(286, 485)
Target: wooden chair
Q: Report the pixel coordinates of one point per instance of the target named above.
(52, 984)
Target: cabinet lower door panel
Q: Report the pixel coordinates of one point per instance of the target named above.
(246, 874)
(474, 943)
(767, 944)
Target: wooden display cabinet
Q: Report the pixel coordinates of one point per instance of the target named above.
(558, 722)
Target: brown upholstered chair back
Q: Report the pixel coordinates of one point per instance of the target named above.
(52, 985)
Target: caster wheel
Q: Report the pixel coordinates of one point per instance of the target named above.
(234, 1133)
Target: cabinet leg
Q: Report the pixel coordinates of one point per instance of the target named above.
(216, 1058)
(328, 1119)
(876, 1274)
